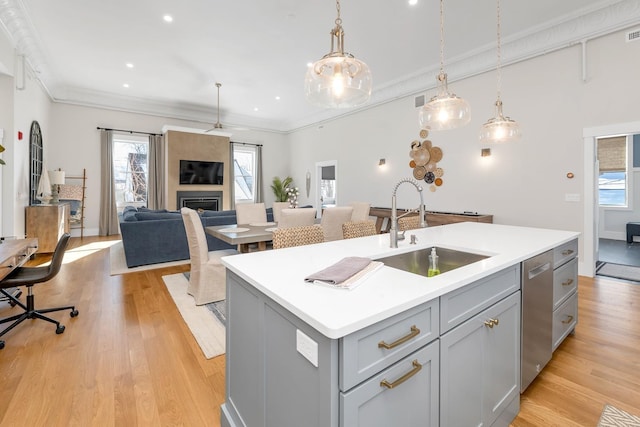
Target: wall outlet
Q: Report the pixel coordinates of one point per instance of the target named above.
(307, 347)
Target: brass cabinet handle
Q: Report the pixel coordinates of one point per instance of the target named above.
(568, 282)
(567, 252)
(414, 332)
(416, 368)
(491, 322)
(569, 319)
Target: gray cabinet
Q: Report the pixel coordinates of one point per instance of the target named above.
(403, 370)
(480, 367)
(565, 291)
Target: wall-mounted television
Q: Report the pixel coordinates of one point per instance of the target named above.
(201, 172)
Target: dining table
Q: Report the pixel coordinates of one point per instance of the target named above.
(244, 235)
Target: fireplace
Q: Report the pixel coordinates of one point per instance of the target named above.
(207, 200)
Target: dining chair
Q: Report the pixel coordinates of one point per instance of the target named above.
(249, 213)
(360, 211)
(332, 220)
(29, 276)
(296, 217)
(207, 280)
(353, 229)
(297, 236)
(409, 223)
(277, 209)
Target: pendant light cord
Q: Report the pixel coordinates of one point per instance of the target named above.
(338, 19)
(441, 36)
(499, 51)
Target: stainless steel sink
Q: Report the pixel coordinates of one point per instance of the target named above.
(417, 262)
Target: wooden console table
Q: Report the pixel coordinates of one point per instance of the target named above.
(383, 218)
(48, 223)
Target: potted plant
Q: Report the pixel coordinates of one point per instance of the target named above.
(279, 187)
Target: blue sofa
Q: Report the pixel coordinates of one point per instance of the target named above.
(155, 236)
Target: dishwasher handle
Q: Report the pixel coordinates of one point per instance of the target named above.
(533, 272)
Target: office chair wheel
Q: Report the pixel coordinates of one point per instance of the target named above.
(60, 329)
(74, 313)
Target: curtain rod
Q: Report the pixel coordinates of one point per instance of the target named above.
(245, 143)
(130, 131)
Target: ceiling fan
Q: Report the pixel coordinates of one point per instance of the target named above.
(217, 125)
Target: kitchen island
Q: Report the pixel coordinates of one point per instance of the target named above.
(401, 347)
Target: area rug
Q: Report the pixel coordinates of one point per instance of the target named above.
(619, 271)
(204, 321)
(119, 264)
(614, 417)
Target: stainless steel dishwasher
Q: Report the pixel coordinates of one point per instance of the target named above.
(537, 316)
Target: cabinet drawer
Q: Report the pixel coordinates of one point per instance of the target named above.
(565, 319)
(364, 353)
(564, 253)
(412, 403)
(565, 281)
(463, 303)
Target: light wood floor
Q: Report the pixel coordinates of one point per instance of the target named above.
(129, 360)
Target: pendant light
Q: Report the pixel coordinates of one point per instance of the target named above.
(445, 110)
(338, 80)
(499, 128)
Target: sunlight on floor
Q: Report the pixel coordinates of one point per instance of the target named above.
(80, 252)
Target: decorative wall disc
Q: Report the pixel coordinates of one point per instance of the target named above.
(436, 154)
(424, 133)
(412, 164)
(419, 172)
(421, 156)
(429, 178)
(438, 182)
(431, 166)
(439, 172)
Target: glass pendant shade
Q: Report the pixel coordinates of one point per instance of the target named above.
(338, 80)
(500, 129)
(445, 110)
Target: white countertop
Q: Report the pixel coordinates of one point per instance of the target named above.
(335, 313)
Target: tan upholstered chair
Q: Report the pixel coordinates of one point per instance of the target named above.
(248, 213)
(360, 211)
(297, 236)
(297, 217)
(207, 281)
(353, 229)
(332, 220)
(277, 209)
(409, 223)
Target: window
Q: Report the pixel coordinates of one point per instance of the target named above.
(613, 183)
(244, 169)
(130, 168)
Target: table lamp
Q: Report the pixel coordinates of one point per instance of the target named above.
(57, 179)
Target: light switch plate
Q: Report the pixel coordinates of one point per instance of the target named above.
(307, 347)
(572, 197)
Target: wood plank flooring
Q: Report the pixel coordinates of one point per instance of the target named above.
(129, 360)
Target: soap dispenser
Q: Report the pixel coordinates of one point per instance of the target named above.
(433, 264)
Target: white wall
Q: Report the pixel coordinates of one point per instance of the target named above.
(74, 144)
(520, 184)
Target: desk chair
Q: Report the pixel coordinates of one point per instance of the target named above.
(29, 276)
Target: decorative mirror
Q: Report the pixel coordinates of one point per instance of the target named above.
(35, 161)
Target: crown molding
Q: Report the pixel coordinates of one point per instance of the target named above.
(602, 19)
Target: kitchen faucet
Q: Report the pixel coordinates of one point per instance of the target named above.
(393, 232)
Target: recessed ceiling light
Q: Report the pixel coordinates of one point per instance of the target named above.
(167, 18)
(277, 98)
(309, 64)
(255, 108)
(413, 2)
(129, 65)
(125, 85)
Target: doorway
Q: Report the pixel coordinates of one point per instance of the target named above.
(326, 185)
(592, 208)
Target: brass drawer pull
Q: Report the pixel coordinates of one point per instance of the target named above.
(567, 252)
(491, 322)
(416, 368)
(414, 332)
(569, 319)
(568, 282)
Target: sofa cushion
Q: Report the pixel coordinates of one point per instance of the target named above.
(207, 214)
(129, 215)
(151, 216)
